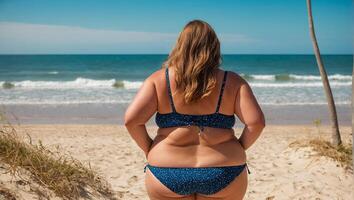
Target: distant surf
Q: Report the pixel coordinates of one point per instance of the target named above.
(290, 80)
(289, 77)
(80, 79)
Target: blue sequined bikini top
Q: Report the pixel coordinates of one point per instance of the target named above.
(173, 119)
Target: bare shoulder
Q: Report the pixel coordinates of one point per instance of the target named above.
(156, 76)
(236, 80)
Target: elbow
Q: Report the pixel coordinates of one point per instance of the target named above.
(131, 121)
(128, 121)
(257, 125)
(261, 124)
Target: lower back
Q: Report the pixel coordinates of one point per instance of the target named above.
(184, 147)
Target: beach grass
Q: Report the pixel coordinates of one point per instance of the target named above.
(342, 153)
(67, 177)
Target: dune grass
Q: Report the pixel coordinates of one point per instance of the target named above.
(342, 153)
(67, 177)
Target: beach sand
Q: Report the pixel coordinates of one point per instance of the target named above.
(277, 170)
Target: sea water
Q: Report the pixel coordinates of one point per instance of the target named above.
(81, 79)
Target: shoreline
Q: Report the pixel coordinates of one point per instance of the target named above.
(113, 113)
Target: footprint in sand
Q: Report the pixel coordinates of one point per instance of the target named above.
(132, 180)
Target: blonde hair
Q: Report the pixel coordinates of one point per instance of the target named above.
(195, 57)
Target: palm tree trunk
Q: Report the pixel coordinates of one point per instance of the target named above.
(353, 111)
(336, 139)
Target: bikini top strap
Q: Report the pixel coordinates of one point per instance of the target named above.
(169, 91)
(221, 92)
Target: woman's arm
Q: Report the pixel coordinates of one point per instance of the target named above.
(250, 113)
(139, 112)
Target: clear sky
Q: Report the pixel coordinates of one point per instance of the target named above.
(142, 26)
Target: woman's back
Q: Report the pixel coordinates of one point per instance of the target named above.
(189, 146)
(195, 154)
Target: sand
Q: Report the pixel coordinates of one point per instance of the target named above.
(277, 170)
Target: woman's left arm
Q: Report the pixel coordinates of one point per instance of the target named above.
(143, 106)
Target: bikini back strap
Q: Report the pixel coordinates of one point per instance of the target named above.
(169, 91)
(221, 92)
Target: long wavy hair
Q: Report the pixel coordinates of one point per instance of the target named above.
(195, 58)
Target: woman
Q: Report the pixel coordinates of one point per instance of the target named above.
(195, 154)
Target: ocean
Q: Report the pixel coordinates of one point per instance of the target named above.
(84, 79)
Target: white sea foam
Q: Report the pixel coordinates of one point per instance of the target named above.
(132, 84)
(86, 91)
(284, 77)
(299, 84)
(265, 81)
(263, 77)
(330, 77)
(77, 83)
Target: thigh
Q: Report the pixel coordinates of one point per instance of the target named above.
(158, 191)
(234, 191)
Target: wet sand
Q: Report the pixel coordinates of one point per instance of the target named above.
(112, 114)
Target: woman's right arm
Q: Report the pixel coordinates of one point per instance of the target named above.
(250, 113)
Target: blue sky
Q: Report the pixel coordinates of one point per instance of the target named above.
(142, 26)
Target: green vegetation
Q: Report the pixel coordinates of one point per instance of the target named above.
(67, 177)
(317, 123)
(341, 153)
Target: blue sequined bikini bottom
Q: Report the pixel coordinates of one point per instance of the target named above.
(202, 180)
